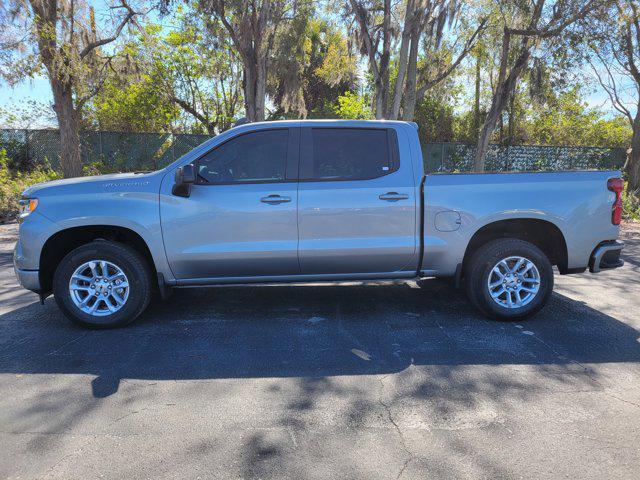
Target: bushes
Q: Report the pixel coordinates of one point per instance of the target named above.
(630, 205)
(12, 184)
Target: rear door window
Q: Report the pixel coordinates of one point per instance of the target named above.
(334, 154)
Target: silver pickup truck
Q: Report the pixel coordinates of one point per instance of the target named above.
(310, 201)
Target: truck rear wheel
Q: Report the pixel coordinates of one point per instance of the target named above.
(102, 284)
(509, 279)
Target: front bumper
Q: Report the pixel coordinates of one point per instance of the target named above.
(29, 279)
(26, 253)
(606, 256)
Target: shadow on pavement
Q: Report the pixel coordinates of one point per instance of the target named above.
(308, 331)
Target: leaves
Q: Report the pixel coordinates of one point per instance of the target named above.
(352, 106)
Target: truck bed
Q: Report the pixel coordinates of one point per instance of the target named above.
(457, 206)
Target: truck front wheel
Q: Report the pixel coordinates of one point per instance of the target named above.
(509, 279)
(102, 284)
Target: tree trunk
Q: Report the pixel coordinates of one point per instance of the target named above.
(476, 110)
(385, 59)
(261, 86)
(512, 119)
(254, 84)
(402, 61)
(46, 18)
(504, 89)
(485, 136)
(70, 159)
(412, 73)
(632, 167)
(249, 86)
(378, 101)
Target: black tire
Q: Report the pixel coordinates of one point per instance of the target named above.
(479, 268)
(131, 262)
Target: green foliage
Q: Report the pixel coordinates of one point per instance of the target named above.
(133, 107)
(13, 183)
(352, 106)
(566, 120)
(313, 66)
(563, 119)
(196, 67)
(99, 168)
(436, 120)
(170, 80)
(630, 205)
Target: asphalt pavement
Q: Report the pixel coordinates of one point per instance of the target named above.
(393, 380)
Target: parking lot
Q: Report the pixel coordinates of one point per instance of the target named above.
(324, 381)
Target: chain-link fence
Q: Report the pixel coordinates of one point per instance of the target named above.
(458, 157)
(119, 151)
(114, 151)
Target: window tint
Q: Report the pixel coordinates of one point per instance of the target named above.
(349, 153)
(253, 157)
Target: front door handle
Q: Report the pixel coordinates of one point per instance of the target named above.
(393, 196)
(275, 199)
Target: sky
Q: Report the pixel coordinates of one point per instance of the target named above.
(37, 89)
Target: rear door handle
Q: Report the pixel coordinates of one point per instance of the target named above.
(275, 199)
(393, 196)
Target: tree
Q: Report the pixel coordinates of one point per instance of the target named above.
(615, 58)
(439, 58)
(313, 66)
(373, 18)
(252, 27)
(352, 107)
(435, 116)
(64, 39)
(422, 33)
(199, 72)
(527, 25)
(129, 103)
(564, 119)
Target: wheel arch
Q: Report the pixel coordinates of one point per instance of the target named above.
(58, 245)
(544, 234)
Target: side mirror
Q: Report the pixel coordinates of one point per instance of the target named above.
(185, 177)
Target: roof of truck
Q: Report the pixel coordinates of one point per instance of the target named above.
(336, 121)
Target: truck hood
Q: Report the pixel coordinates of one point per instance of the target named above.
(121, 181)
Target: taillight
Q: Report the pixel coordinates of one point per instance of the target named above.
(616, 185)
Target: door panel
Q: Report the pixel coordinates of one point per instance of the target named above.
(234, 227)
(355, 226)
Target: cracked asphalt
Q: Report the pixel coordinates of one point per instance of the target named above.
(346, 382)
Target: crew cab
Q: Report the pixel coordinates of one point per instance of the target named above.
(309, 201)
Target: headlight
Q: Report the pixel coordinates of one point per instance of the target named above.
(27, 205)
